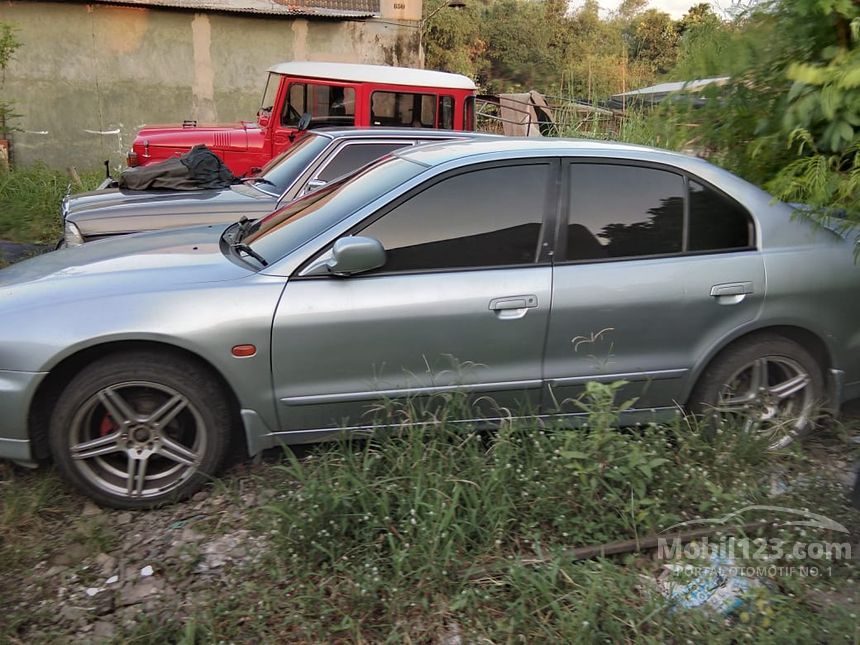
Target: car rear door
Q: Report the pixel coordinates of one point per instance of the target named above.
(462, 304)
(653, 270)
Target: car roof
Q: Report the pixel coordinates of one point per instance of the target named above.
(382, 74)
(398, 133)
(438, 153)
(460, 153)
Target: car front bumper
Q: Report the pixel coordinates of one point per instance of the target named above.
(16, 393)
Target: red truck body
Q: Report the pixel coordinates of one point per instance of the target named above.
(306, 95)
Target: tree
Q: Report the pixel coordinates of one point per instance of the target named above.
(525, 45)
(8, 46)
(822, 115)
(452, 40)
(653, 38)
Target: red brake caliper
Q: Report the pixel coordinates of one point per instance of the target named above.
(108, 425)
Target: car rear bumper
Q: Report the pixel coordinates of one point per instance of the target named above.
(16, 392)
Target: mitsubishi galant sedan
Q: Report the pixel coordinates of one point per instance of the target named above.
(512, 270)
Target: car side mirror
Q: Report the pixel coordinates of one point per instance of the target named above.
(349, 256)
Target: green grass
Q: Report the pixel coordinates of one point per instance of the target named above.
(30, 202)
(405, 537)
(429, 533)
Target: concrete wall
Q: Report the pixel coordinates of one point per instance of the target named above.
(88, 76)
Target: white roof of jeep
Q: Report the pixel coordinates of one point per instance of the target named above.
(382, 74)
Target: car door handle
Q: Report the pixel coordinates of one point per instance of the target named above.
(513, 307)
(513, 302)
(731, 289)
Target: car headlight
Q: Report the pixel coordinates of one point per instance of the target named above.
(72, 234)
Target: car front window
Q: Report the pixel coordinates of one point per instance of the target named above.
(280, 173)
(327, 105)
(288, 228)
(429, 232)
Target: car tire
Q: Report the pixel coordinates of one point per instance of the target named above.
(140, 429)
(768, 383)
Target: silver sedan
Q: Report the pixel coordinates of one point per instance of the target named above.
(514, 271)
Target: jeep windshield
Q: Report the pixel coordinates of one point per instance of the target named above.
(285, 230)
(280, 173)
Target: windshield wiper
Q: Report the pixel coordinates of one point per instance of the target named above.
(244, 226)
(244, 248)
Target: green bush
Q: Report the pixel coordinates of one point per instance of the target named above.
(30, 201)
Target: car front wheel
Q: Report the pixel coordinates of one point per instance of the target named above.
(140, 429)
(766, 384)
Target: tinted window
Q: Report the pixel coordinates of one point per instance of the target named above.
(327, 105)
(446, 112)
(284, 169)
(353, 156)
(399, 109)
(487, 217)
(623, 211)
(716, 222)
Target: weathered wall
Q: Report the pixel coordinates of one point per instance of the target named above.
(88, 76)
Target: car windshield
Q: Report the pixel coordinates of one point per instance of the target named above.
(280, 173)
(298, 222)
(270, 93)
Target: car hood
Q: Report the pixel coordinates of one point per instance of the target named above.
(219, 136)
(101, 203)
(114, 211)
(146, 262)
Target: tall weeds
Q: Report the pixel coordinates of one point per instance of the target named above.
(444, 520)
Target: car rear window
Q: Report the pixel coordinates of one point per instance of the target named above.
(352, 156)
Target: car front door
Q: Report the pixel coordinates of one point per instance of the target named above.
(653, 269)
(461, 304)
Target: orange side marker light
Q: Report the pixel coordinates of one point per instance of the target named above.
(243, 351)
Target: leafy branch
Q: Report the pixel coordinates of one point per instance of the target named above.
(9, 44)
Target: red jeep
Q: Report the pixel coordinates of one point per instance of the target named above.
(302, 95)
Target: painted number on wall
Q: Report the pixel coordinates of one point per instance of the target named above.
(399, 5)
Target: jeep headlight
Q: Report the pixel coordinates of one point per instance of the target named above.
(72, 234)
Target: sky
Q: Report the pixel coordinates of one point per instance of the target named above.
(675, 8)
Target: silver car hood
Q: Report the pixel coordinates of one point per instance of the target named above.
(110, 197)
(145, 261)
(115, 211)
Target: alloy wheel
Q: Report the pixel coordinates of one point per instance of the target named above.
(137, 439)
(772, 395)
